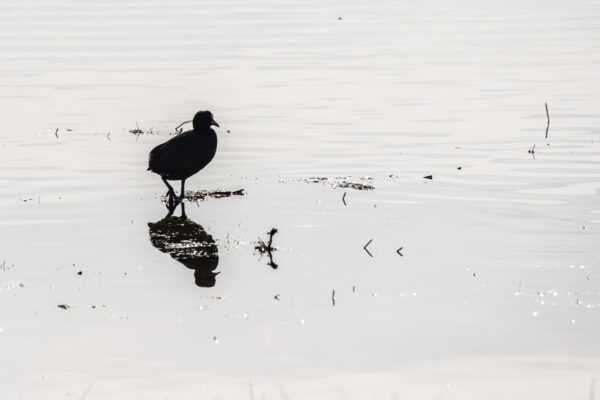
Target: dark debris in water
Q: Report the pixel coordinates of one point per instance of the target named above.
(64, 306)
(367, 250)
(4, 267)
(267, 248)
(201, 195)
(343, 182)
(315, 179)
(263, 247)
(137, 131)
(355, 185)
(179, 129)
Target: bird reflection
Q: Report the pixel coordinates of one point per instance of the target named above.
(188, 243)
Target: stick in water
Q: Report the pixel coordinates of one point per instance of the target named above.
(181, 124)
(548, 117)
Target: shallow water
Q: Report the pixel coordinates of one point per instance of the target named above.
(496, 294)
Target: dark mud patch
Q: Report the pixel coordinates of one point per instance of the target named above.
(365, 183)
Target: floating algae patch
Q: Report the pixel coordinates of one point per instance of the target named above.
(343, 182)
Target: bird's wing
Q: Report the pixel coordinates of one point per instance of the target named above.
(154, 157)
(167, 155)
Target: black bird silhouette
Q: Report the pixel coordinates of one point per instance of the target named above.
(185, 154)
(188, 243)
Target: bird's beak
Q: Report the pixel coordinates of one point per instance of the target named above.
(215, 123)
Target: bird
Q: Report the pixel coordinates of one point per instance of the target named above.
(185, 154)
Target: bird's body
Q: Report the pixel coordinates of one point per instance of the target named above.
(185, 154)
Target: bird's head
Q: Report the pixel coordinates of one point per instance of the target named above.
(203, 120)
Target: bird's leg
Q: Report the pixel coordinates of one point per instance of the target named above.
(171, 192)
(170, 207)
(182, 193)
(170, 204)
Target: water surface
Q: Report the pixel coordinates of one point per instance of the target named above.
(496, 292)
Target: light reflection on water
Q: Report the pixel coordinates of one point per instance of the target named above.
(391, 91)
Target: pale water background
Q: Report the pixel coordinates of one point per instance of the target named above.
(497, 295)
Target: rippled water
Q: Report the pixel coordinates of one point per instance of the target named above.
(495, 295)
